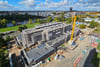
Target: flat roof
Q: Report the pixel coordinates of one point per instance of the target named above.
(52, 42)
(47, 26)
(38, 52)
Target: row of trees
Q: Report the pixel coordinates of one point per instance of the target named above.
(92, 24)
(15, 18)
(3, 23)
(41, 21)
(19, 17)
(80, 19)
(56, 19)
(4, 61)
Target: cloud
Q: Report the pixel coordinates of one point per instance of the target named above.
(51, 5)
(28, 3)
(5, 5)
(54, 5)
(93, 1)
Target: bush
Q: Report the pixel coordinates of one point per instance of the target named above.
(49, 19)
(82, 26)
(22, 28)
(93, 24)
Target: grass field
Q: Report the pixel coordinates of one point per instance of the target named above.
(16, 27)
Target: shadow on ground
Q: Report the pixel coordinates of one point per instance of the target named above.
(17, 61)
(92, 59)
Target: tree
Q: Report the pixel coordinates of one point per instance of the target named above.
(62, 17)
(80, 19)
(68, 21)
(8, 38)
(30, 21)
(37, 21)
(93, 24)
(20, 28)
(57, 19)
(43, 21)
(24, 27)
(4, 62)
(3, 23)
(50, 19)
(82, 26)
(2, 41)
(14, 23)
(54, 13)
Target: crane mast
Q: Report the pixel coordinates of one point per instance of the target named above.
(73, 28)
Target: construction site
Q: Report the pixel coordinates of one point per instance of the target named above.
(57, 44)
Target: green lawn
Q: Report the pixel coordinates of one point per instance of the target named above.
(16, 27)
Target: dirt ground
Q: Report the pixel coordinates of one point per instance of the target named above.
(71, 55)
(17, 62)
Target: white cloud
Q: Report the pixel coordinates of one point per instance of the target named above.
(50, 5)
(5, 5)
(28, 3)
(54, 5)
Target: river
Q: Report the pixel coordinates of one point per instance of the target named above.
(22, 22)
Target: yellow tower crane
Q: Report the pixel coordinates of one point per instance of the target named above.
(73, 28)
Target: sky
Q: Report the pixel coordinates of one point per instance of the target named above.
(62, 5)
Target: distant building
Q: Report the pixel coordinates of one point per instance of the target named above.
(71, 9)
(91, 19)
(48, 36)
(36, 13)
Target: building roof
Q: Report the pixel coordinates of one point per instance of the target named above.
(38, 52)
(47, 26)
(52, 42)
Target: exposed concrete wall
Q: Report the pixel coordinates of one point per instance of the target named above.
(33, 36)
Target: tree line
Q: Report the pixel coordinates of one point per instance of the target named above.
(4, 61)
(15, 18)
(19, 17)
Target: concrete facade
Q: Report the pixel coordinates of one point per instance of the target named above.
(43, 33)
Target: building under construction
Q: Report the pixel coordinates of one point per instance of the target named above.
(46, 38)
